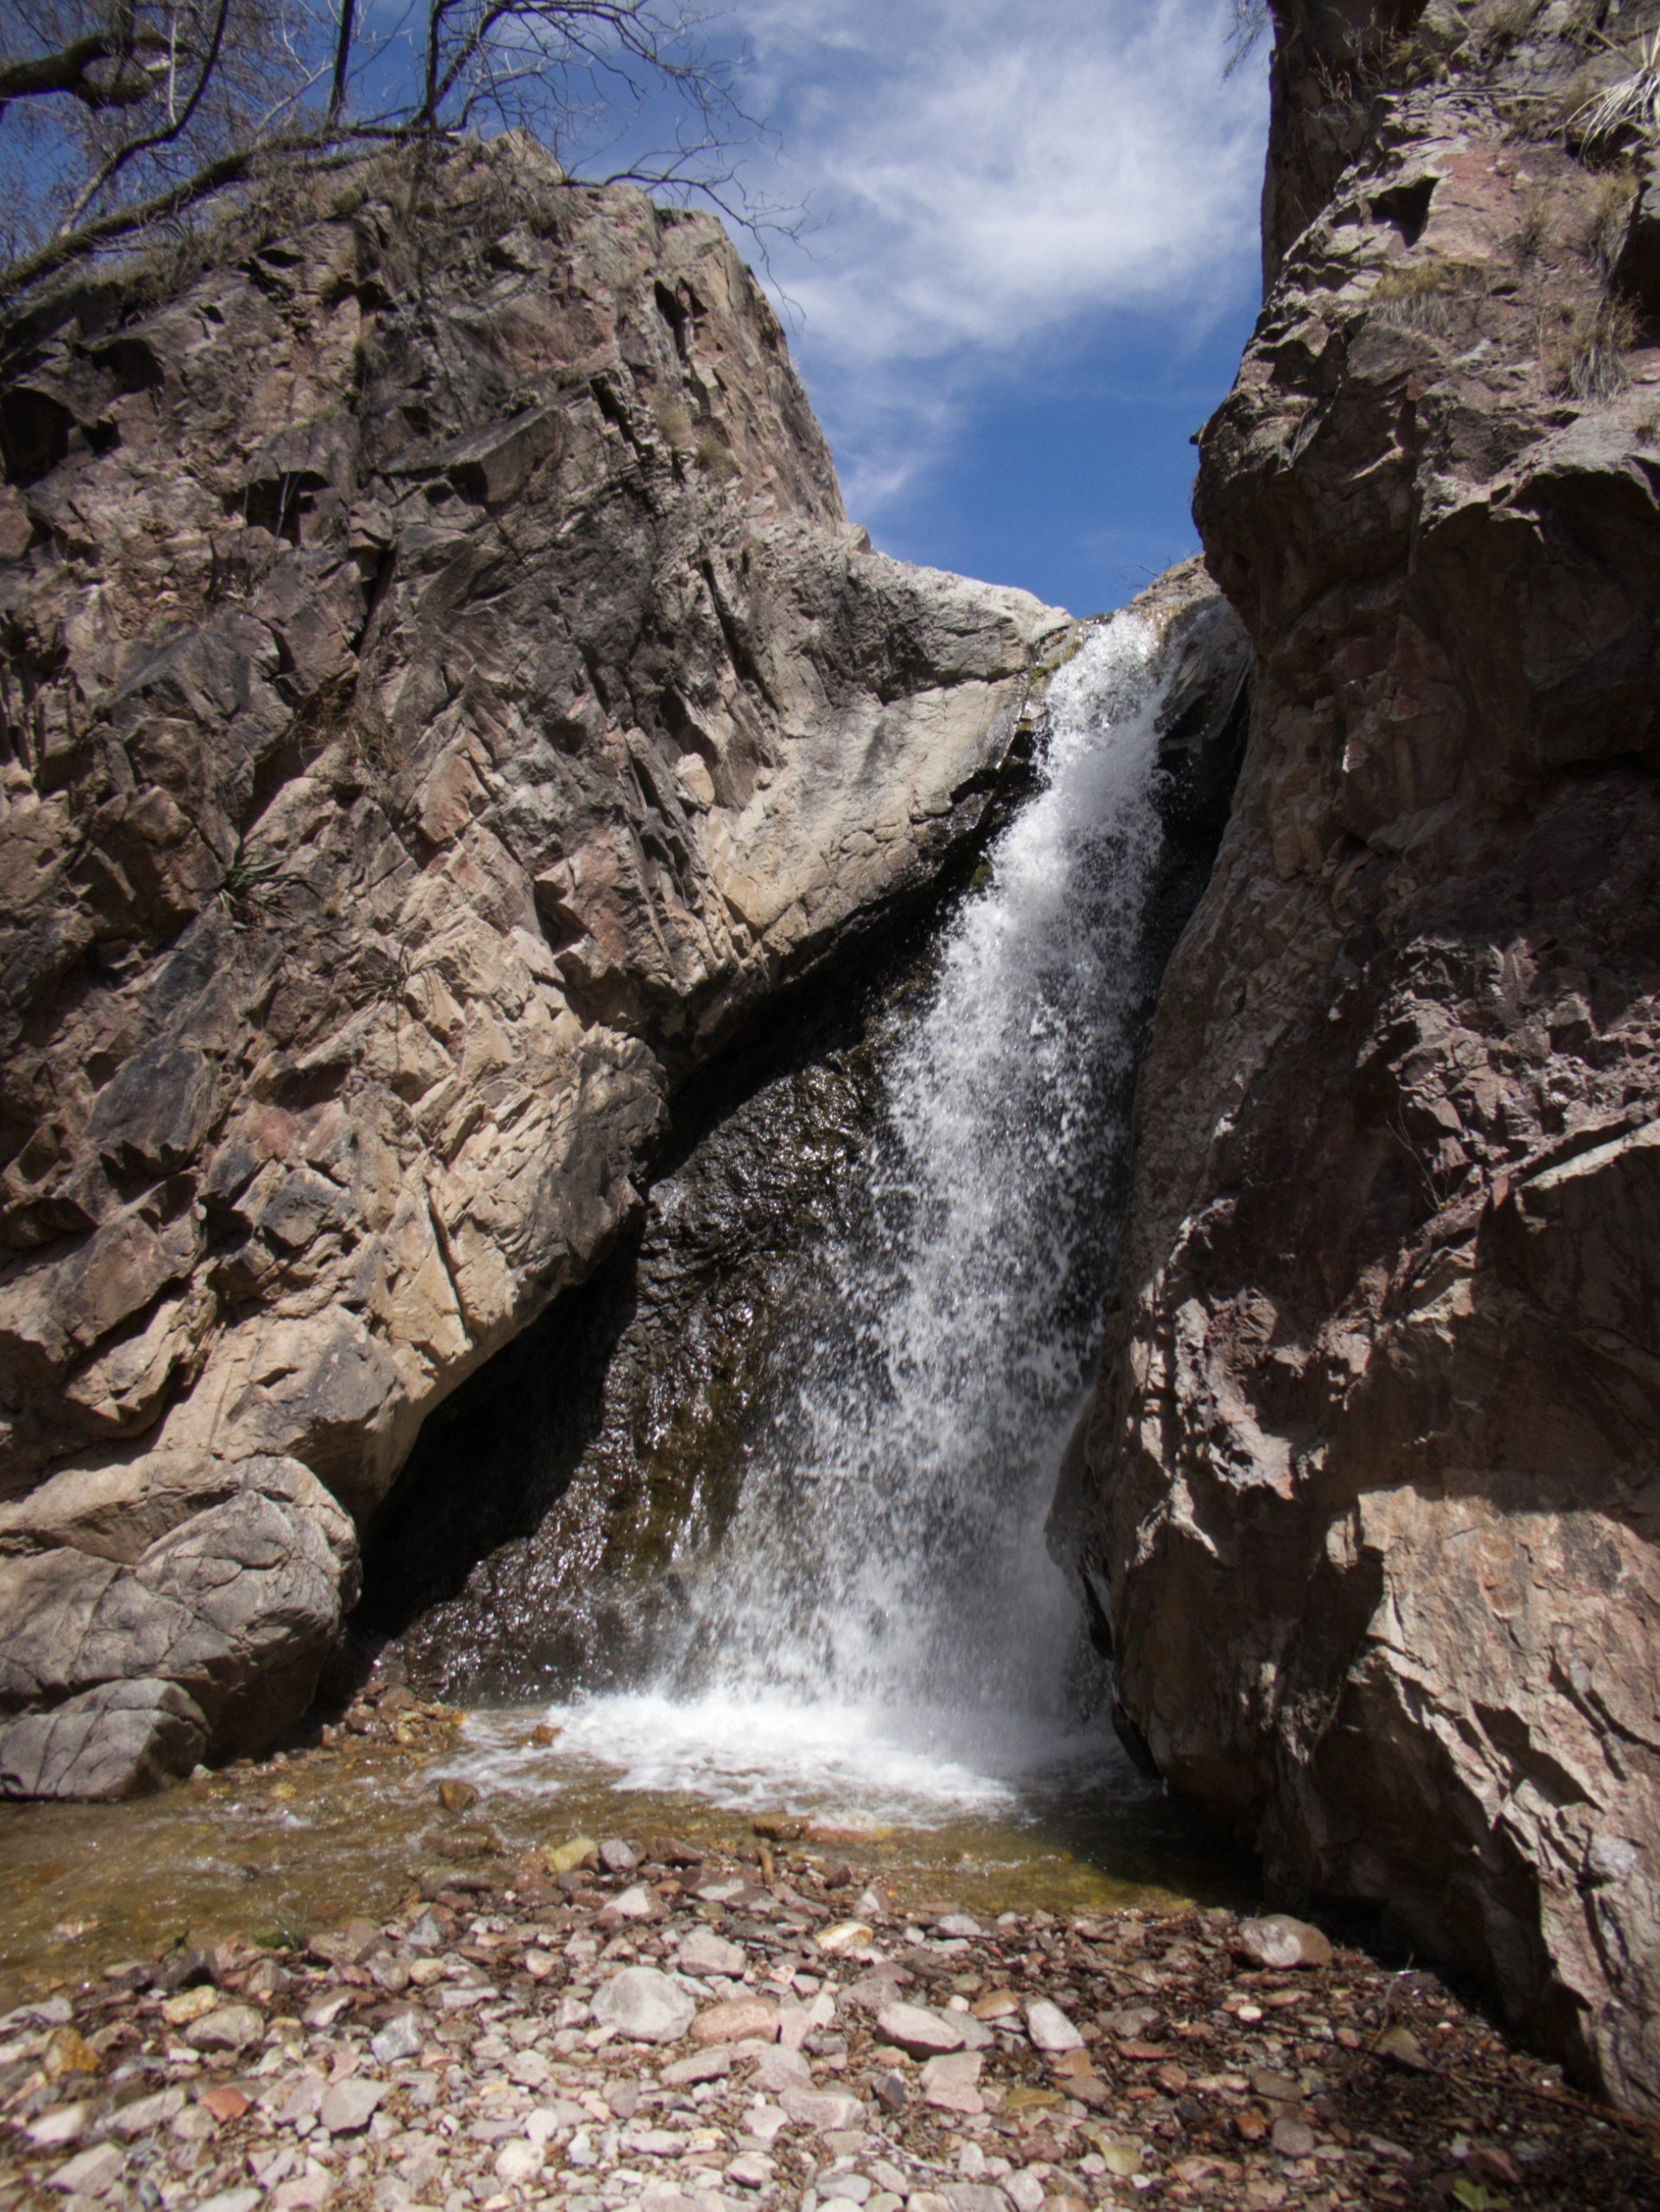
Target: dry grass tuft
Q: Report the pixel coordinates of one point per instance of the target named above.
(1631, 107)
(1535, 228)
(1511, 20)
(1424, 295)
(1585, 361)
(1608, 222)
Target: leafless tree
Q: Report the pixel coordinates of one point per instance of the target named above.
(117, 116)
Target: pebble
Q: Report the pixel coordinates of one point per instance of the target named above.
(225, 2101)
(751, 2170)
(780, 2067)
(518, 2161)
(645, 2005)
(636, 1903)
(190, 2004)
(845, 1935)
(995, 2005)
(1403, 2048)
(89, 2173)
(227, 2027)
(706, 1952)
(952, 2082)
(735, 2019)
(712, 2065)
(349, 2106)
(55, 2130)
(920, 2033)
(823, 2109)
(1282, 1942)
(1049, 2029)
(401, 2037)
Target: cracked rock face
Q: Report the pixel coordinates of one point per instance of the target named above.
(442, 700)
(1370, 1490)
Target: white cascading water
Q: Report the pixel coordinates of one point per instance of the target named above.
(881, 1631)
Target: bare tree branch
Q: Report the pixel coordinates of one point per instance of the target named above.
(175, 128)
(140, 215)
(67, 71)
(1250, 19)
(214, 93)
(343, 56)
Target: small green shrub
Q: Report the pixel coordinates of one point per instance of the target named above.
(289, 1932)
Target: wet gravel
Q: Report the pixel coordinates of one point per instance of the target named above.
(636, 2021)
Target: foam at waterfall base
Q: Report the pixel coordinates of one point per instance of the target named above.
(844, 1764)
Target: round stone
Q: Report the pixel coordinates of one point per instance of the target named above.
(645, 2005)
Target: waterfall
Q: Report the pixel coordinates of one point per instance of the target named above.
(878, 1625)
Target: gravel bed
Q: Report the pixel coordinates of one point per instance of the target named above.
(625, 2023)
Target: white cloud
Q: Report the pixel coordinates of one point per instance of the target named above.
(984, 180)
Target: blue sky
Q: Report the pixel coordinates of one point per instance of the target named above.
(1030, 265)
(1026, 264)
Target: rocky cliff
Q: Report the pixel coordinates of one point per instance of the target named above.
(1369, 1496)
(443, 701)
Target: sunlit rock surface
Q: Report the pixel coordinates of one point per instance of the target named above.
(1369, 1499)
(443, 699)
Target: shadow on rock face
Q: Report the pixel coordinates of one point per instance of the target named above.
(531, 1542)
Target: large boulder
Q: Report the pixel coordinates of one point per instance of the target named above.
(219, 1587)
(1368, 1501)
(124, 1739)
(447, 702)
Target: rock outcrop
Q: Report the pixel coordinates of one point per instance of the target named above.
(442, 701)
(1370, 1496)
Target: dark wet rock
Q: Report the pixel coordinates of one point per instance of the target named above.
(607, 1449)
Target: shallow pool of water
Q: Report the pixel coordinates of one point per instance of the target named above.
(323, 1837)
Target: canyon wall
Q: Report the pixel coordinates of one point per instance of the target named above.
(444, 701)
(1368, 1498)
